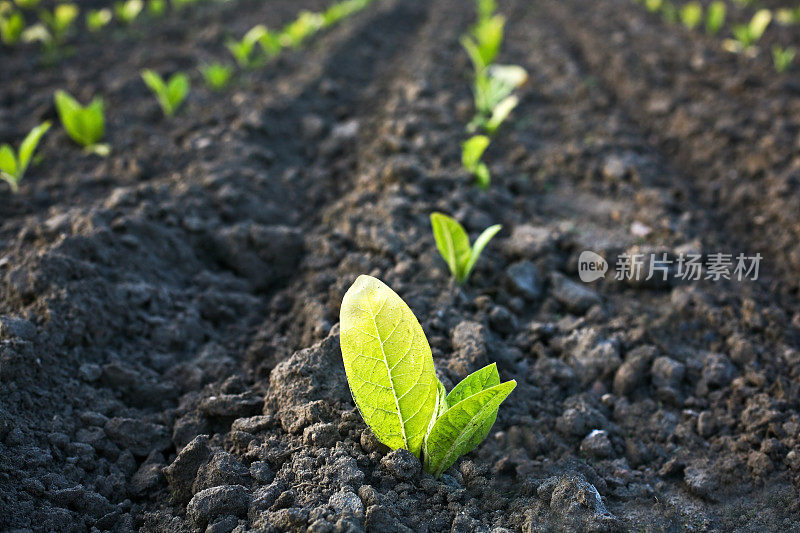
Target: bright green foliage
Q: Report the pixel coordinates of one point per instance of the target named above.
(493, 98)
(11, 27)
(391, 375)
(304, 26)
(715, 17)
(471, 153)
(747, 35)
(453, 244)
(27, 4)
(653, 6)
(60, 20)
(97, 19)
(483, 42)
(471, 411)
(216, 75)
(388, 363)
(127, 11)
(500, 113)
(782, 57)
(85, 125)
(788, 16)
(156, 8)
(170, 94)
(243, 51)
(13, 166)
(691, 14)
(341, 10)
(486, 8)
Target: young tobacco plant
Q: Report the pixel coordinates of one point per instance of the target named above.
(471, 153)
(393, 382)
(244, 51)
(156, 8)
(84, 124)
(13, 165)
(342, 10)
(171, 93)
(715, 17)
(97, 19)
(59, 21)
(453, 244)
(216, 75)
(782, 57)
(483, 42)
(691, 14)
(304, 26)
(494, 100)
(128, 10)
(12, 24)
(747, 35)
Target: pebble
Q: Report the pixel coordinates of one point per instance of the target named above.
(212, 503)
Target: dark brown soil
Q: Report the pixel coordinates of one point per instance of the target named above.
(169, 355)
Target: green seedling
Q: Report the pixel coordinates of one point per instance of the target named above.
(493, 98)
(393, 381)
(85, 125)
(453, 243)
(59, 22)
(715, 17)
(342, 10)
(788, 16)
(127, 11)
(471, 153)
(171, 93)
(13, 165)
(747, 35)
(243, 51)
(304, 26)
(156, 8)
(12, 26)
(27, 4)
(216, 75)
(97, 19)
(486, 8)
(691, 14)
(653, 6)
(782, 57)
(483, 42)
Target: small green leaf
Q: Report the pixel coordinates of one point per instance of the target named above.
(715, 17)
(389, 364)
(691, 14)
(758, 24)
(472, 150)
(29, 144)
(479, 380)
(8, 162)
(500, 113)
(85, 125)
(462, 427)
(216, 75)
(477, 248)
(453, 243)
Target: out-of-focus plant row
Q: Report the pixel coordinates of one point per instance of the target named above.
(743, 38)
